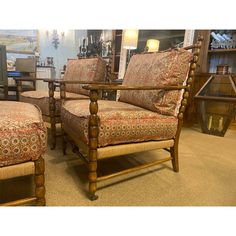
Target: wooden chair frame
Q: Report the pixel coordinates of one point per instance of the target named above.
(39, 196)
(27, 66)
(94, 152)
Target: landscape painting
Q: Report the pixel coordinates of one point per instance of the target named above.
(20, 41)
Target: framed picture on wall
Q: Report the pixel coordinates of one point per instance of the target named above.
(20, 41)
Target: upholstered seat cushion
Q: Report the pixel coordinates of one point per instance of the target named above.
(23, 135)
(166, 68)
(118, 122)
(41, 99)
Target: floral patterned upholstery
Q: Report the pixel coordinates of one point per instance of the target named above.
(156, 69)
(90, 69)
(23, 135)
(118, 122)
(41, 99)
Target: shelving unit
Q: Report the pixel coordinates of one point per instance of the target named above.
(208, 60)
(116, 48)
(222, 50)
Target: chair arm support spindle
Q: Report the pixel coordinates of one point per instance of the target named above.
(93, 142)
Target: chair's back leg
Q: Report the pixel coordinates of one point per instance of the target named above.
(174, 154)
(93, 144)
(64, 141)
(174, 151)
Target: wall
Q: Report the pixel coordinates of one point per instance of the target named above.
(79, 35)
(67, 47)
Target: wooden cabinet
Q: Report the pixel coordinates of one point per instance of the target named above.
(208, 60)
(116, 49)
(211, 57)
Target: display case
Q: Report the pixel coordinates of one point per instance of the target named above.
(216, 102)
(212, 54)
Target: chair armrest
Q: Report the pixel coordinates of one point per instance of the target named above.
(123, 87)
(26, 79)
(85, 82)
(51, 80)
(61, 81)
(62, 85)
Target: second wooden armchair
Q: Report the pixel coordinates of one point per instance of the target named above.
(82, 71)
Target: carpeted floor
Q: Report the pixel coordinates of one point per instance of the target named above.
(207, 176)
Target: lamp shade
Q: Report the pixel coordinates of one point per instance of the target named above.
(153, 45)
(130, 40)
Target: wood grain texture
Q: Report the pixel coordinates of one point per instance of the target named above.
(122, 87)
(39, 182)
(93, 144)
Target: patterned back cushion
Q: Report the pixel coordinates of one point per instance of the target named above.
(89, 69)
(157, 69)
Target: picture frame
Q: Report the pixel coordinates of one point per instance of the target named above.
(20, 41)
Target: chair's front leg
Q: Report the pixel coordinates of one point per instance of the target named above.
(18, 89)
(52, 111)
(63, 133)
(39, 182)
(93, 143)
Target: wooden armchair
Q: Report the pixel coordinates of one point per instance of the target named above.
(148, 115)
(83, 71)
(23, 142)
(27, 69)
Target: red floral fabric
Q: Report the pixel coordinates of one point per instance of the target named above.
(23, 135)
(118, 122)
(156, 69)
(41, 99)
(89, 69)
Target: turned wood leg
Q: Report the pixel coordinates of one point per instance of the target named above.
(19, 89)
(175, 160)
(92, 178)
(93, 143)
(64, 142)
(39, 182)
(53, 133)
(52, 111)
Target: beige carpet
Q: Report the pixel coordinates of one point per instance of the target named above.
(207, 176)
